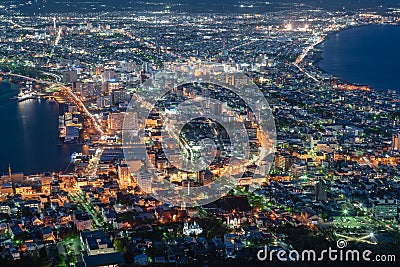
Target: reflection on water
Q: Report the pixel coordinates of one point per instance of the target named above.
(367, 55)
(29, 134)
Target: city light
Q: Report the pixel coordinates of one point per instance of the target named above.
(105, 188)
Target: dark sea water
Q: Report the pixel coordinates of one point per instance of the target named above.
(29, 135)
(368, 55)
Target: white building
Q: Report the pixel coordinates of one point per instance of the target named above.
(191, 229)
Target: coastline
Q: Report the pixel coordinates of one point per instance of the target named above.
(317, 57)
(29, 119)
(315, 49)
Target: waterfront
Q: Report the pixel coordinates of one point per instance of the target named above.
(334, 178)
(29, 136)
(356, 55)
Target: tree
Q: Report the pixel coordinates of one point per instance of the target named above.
(120, 245)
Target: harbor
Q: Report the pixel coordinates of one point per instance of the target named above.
(31, 135)
(69, 133)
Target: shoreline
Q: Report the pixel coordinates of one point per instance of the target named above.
(316, 57)
(26, 172)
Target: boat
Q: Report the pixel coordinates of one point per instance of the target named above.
(26, 94)
(75, 156)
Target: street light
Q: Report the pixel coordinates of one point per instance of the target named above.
(345, 212)
(371, 234)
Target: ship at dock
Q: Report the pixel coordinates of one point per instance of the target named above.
(26, 93)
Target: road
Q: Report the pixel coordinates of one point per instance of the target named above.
(67, 91)
(97, 218)
(244, 44)
(304, 54)
(94, 162)
(172, 132)
(58, 38)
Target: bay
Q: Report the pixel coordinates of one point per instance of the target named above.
(367, 55)
(29, 135)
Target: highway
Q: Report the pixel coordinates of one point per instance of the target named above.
(304, 54)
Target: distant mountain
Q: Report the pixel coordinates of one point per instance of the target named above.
(198, 6)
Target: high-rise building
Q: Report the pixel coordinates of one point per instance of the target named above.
(396, 142)
(115, 121)
(145, 181)
(87, 89)
(98, 70)
(124, 176)
(110, 86)
(97, 89)
(131, 122)
(72, 132)
(103, 101)
(120, 96)
(216, 107)
(108, 75)
(77, 87)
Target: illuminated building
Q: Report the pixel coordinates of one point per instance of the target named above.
(233, 221)
(103, 102)
(96, 242)
(396, 142)
(108, 75)
(120, 96)
(82, 221)
(144, 181)
(110, 86)
(124, 176)
(70, 76)
(385, 209)
(72, 132)
(98, 70)
(191, 229)
(115, 121)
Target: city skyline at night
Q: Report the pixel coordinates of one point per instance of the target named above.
(199, 133)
